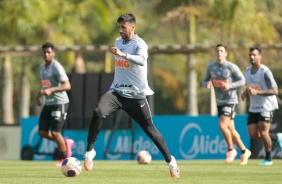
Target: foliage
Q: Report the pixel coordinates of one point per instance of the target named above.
(159, 22)
(61, 22)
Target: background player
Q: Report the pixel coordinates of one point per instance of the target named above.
(262, 90)
(225, 78)
(54, 84)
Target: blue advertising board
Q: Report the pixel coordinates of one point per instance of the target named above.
(187, 137)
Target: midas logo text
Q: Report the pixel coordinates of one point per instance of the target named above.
(200, 144)
(122, 144)
(122, 63)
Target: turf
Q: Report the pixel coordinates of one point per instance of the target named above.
(192, 171)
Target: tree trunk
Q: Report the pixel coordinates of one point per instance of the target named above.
(242, 105)
(191, 99)
(108, 62)
(79, 66)
(213, 105)
(24, 93)
(7, 92)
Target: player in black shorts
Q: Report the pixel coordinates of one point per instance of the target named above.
(128, 92)
(54, 84)
(262, 90)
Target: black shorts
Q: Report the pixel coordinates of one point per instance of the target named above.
(255, 117)
(52, 117)
(226, 110)
(138, 109)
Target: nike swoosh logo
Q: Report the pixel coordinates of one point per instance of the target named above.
(143, 105)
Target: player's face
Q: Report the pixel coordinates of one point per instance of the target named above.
(48, 55)
(221, 54)
(126, 30)
(255, 57)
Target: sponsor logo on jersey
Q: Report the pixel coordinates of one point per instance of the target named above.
(219, 83)
(46, 83)
(122, 63)
(123, 85)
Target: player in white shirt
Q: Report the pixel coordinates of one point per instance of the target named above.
(128, 92)
(262, 90)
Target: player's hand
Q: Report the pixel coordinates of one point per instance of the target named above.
(117, 52)
(38, 99)
(244, 95)
(208, 84)
(38, 102)
(252, 91)
(225, 87)
(46, 92)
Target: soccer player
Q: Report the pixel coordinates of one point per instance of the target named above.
(262, 91)
(128, 92)
(226, 77)
(54, 84)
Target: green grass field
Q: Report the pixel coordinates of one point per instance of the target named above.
(194, 171)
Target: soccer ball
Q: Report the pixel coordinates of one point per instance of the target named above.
(144, 157)
(71, 167)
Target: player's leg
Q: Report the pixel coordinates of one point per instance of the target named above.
(107, 104)
(61, 144)
(235, 136)
(225, 114)
(252, 122)
(267, 143)
(58, 117)
(239, 143)
(139, 110)
(276, 137)
(264, 127)
(44, 123)
(254, 132)
(224, 122)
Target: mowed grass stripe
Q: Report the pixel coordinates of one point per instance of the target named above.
(192, 171)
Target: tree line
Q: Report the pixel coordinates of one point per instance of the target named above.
(177, 77)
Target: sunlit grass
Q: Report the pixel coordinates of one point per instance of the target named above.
(193, 171)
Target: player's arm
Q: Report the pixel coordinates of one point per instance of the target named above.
(65, 86)
(239, 79)
(141, 54)
(271, 84)
(38, 96)
(269, 92)
(139, 58)
(207, 79)
(244, 95)
(64, 82)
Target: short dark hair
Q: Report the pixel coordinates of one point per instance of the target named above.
(48, 45)
(221, 45)
(255, 48)
(129, 17)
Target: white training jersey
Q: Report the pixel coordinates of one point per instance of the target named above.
(262, 79)
(130, 78)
